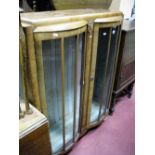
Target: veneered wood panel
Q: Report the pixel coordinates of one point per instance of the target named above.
(36, 143)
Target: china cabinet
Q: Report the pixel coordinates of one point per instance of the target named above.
(72, 60)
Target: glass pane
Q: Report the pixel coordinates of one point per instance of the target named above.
(52, 74)
(104, 71)
(70, 53)
(80, 78)
(70, 83)
(110, 69)
(53, 81)
(100, 73)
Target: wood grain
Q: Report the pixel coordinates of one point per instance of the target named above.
(34, 134)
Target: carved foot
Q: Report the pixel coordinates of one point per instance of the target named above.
(111, 111)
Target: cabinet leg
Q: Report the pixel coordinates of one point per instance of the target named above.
(129, 90)
(111, 110)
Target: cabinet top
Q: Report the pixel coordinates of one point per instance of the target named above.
(60, 16)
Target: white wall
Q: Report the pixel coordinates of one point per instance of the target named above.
(115, 5)
(123, 5)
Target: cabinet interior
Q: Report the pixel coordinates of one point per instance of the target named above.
(106, 55)
(73, 76)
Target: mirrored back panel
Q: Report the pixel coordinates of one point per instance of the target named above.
(62, 62)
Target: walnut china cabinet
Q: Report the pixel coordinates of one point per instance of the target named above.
(72, 57)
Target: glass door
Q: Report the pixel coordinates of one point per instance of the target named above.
(104, 56)
(60, 65)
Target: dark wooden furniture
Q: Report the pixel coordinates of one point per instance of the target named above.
(125, 75)
(36, 5)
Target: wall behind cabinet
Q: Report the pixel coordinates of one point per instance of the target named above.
(123, 5)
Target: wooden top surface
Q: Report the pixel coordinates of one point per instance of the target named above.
(61, 27)
(30, 122)
(60, 16)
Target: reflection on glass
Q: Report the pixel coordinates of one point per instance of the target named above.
(100, 72)
(80, 78)
(104, 70)
(70, 56)
(52, 74)
(71, 84)
(110, 68)
(53, 87)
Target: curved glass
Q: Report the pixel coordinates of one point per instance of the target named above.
(100, 72)
(106, 55)
(63, 65)
(110, 69)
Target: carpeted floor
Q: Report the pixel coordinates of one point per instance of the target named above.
(116, 135)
